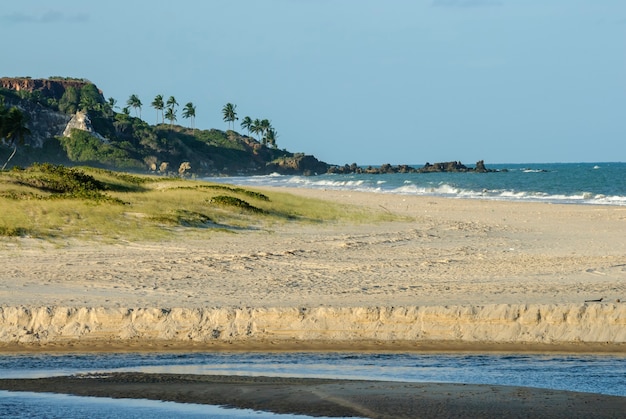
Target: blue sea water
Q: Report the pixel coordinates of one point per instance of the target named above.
(605, 374)
(578, 183)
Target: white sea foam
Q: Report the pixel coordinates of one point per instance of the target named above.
(532, 184)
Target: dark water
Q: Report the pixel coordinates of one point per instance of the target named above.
(585, 373)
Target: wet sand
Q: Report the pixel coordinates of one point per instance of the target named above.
(321, 397)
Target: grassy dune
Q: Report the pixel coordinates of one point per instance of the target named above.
(50, 202)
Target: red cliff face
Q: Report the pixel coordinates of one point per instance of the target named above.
(48, 88)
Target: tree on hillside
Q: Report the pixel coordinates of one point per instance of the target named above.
(158, 105)
(246, 124)
(90, 98)
(230, 114)
(12, 129)
(270, 137)
(108, 106)
(189, 111)
(256, 127)
(170, 115)
(171, 102)
(170, 112)
(69, 101)
(134, 102)
(266, 125)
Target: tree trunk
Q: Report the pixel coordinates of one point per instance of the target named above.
(10, 157)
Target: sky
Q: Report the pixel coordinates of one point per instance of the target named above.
(363, 81)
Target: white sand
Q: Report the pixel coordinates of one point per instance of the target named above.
(461, 270)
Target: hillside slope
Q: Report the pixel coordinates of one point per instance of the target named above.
(71, 123)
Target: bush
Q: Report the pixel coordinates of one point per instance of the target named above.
(231, 201)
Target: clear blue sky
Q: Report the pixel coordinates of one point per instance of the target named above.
(365, 81)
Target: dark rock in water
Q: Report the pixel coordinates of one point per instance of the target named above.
(455, 166)
(297, 164)
(452, 166)
(480, 166)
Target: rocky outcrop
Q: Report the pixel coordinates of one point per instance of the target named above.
(297, 164)
(47, 88)
(43, 123)
(453, 166)
(81, 122)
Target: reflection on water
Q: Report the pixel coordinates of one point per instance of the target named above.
(587, 373)
(43, 405)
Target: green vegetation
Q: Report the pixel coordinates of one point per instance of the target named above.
(56, 202)
(121, 140)
(134, 102)
(12, 128)
(159, 105)
(230, 114)
(189, 111)
(231, 201)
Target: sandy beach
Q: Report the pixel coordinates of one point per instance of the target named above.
(453, 271)
(452, 275)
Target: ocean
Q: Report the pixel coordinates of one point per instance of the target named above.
(604, 374)
(569, 183)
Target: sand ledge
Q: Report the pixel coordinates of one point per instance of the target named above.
(579, 327)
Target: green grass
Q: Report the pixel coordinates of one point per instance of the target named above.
(55, 202)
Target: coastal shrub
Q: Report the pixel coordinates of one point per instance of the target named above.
(69, 101)
(242, 191)
(61, 179)
(63, 182)
(18, 195)
(13, 231)
(81, 146)
(184, 218)
(231, 201)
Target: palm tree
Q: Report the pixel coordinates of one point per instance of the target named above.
(171, 103)
(170, 115)
(109, 105)
(246, 124)
(158, 105)
(270, 137)
(256, 127)
(12, 128)
(266, 125)
(189, 111)
(230, 115)
(87, 103)
(134, 102)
